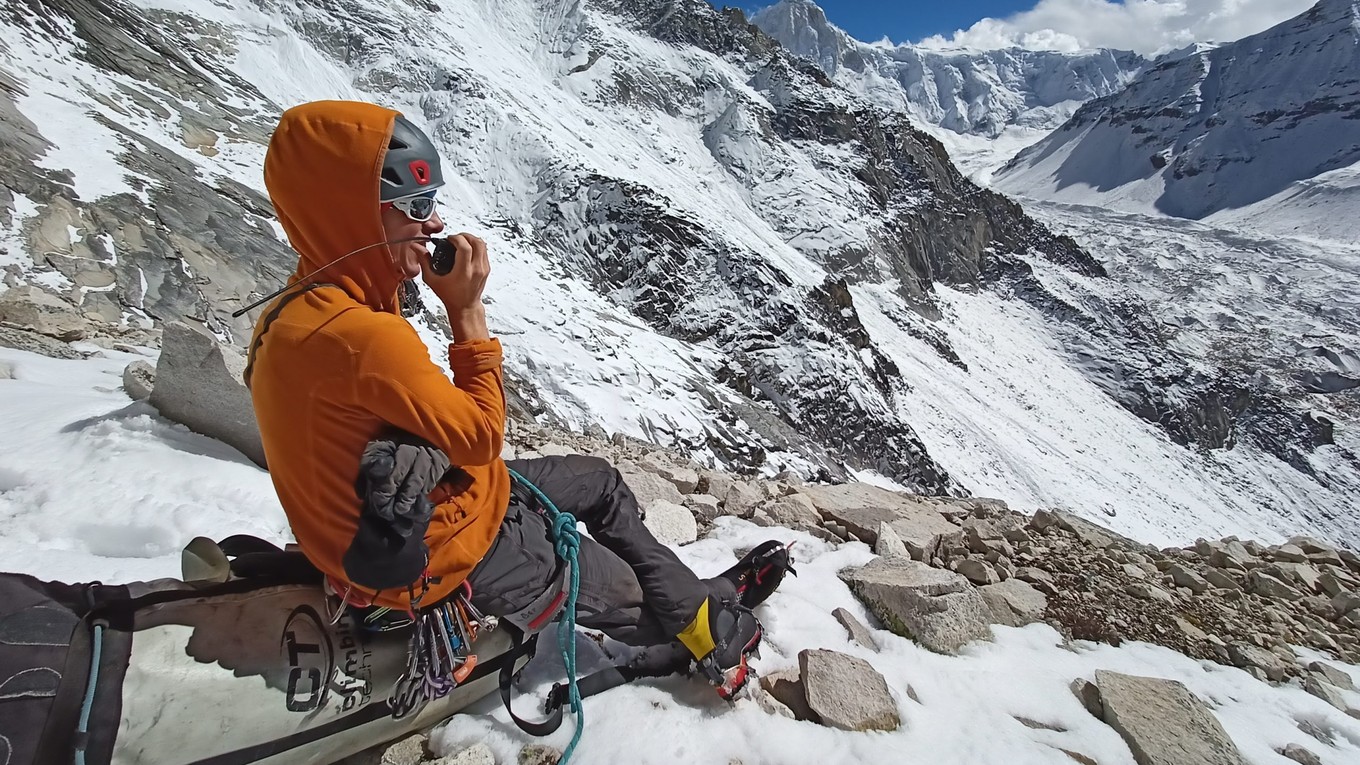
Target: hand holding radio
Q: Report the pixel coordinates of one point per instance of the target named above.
(457, 272)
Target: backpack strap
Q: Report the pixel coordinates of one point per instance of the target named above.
(269, 319)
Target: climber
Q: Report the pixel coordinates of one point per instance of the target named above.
(353, 414)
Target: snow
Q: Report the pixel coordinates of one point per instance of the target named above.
(102, 488)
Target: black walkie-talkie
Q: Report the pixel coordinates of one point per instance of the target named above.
(441, 261)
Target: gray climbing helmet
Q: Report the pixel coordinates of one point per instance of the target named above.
(411, 165)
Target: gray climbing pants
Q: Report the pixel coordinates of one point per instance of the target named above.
(632, 587)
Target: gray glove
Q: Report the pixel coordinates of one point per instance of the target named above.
(396, 473)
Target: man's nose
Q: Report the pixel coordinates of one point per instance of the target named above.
(434, 225)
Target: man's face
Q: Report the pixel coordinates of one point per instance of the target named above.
(398, 224)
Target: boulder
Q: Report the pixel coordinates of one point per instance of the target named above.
(715, 482)
(1301, 575)
(1149, 592)
(1217, 578)
(1229, 554)
(1346, 602)
(786, 686)
(685, 479)
(199, 385)
(37, 310)
(1332, 675)
(139, 378)
(704, 506)
(648, 487)
(741, 499)
(939, 609)
(1163, 723)
(1184, 577)
(846, 692)
(1289, 553)
(1087, 532)
(1089, 696)
(1248, 656)
(1300, 755)
(861, 508)
(1325, 691)
(670, 523)
(978, 572)
(477, 754)
(1014, 603)
(409, 751)
(794, 511)
(1268, 586)
(889, 544)
(538, 754)
(858, 632)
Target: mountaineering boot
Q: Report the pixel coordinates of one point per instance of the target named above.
(722, 637)
(759, 572)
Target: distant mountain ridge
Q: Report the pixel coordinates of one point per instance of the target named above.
(1221, 129)
(967, 92)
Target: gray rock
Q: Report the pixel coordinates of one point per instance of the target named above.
(1229, 554)
(1184, 577)
(846, 692)
(1034, 575)
(858, 632)
(977, 571)
(648, 487)
(1345, 602)
(477, 754)
(786, 686)
(538, 754)
(1134, 571)
(1325, 691)
(1221, 580)
(37, 310)
(1014, 603)
(1248, 656)
(715, 483)
(889, 544)
(794, 511)
(24, 340)
(1311, 545)
(1331, 584)
(861, 508)
(139, 378)
(1149, 592)
(1301, 575)
(1333, 675)
(741, 499)
(670, 523)
(1268, 586)
(1043, 519)
(685, 479)
(937, 608)
(704, 506)
(408, 751)
(1300, 755)
(198, 384)
(1163, 723)
(1289, 553)
(1087, 532)
(1089, 696)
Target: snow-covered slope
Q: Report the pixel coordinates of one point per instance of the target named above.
(698, 240)
(984, 104)
(1244, 127)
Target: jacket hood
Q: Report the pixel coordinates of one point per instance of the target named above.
(322, 171)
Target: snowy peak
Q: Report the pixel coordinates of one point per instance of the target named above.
(1217, 129)
(965, 91)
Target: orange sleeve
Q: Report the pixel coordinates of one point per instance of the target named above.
(465, 418)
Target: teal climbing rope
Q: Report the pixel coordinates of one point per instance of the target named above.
(566, 542)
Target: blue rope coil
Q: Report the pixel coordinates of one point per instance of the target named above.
(566, 542)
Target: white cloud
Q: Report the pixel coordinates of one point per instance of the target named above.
(1146, 26)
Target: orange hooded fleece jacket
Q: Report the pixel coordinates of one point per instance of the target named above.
(338, 364)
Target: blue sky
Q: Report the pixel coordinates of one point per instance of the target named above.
(904, 21)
